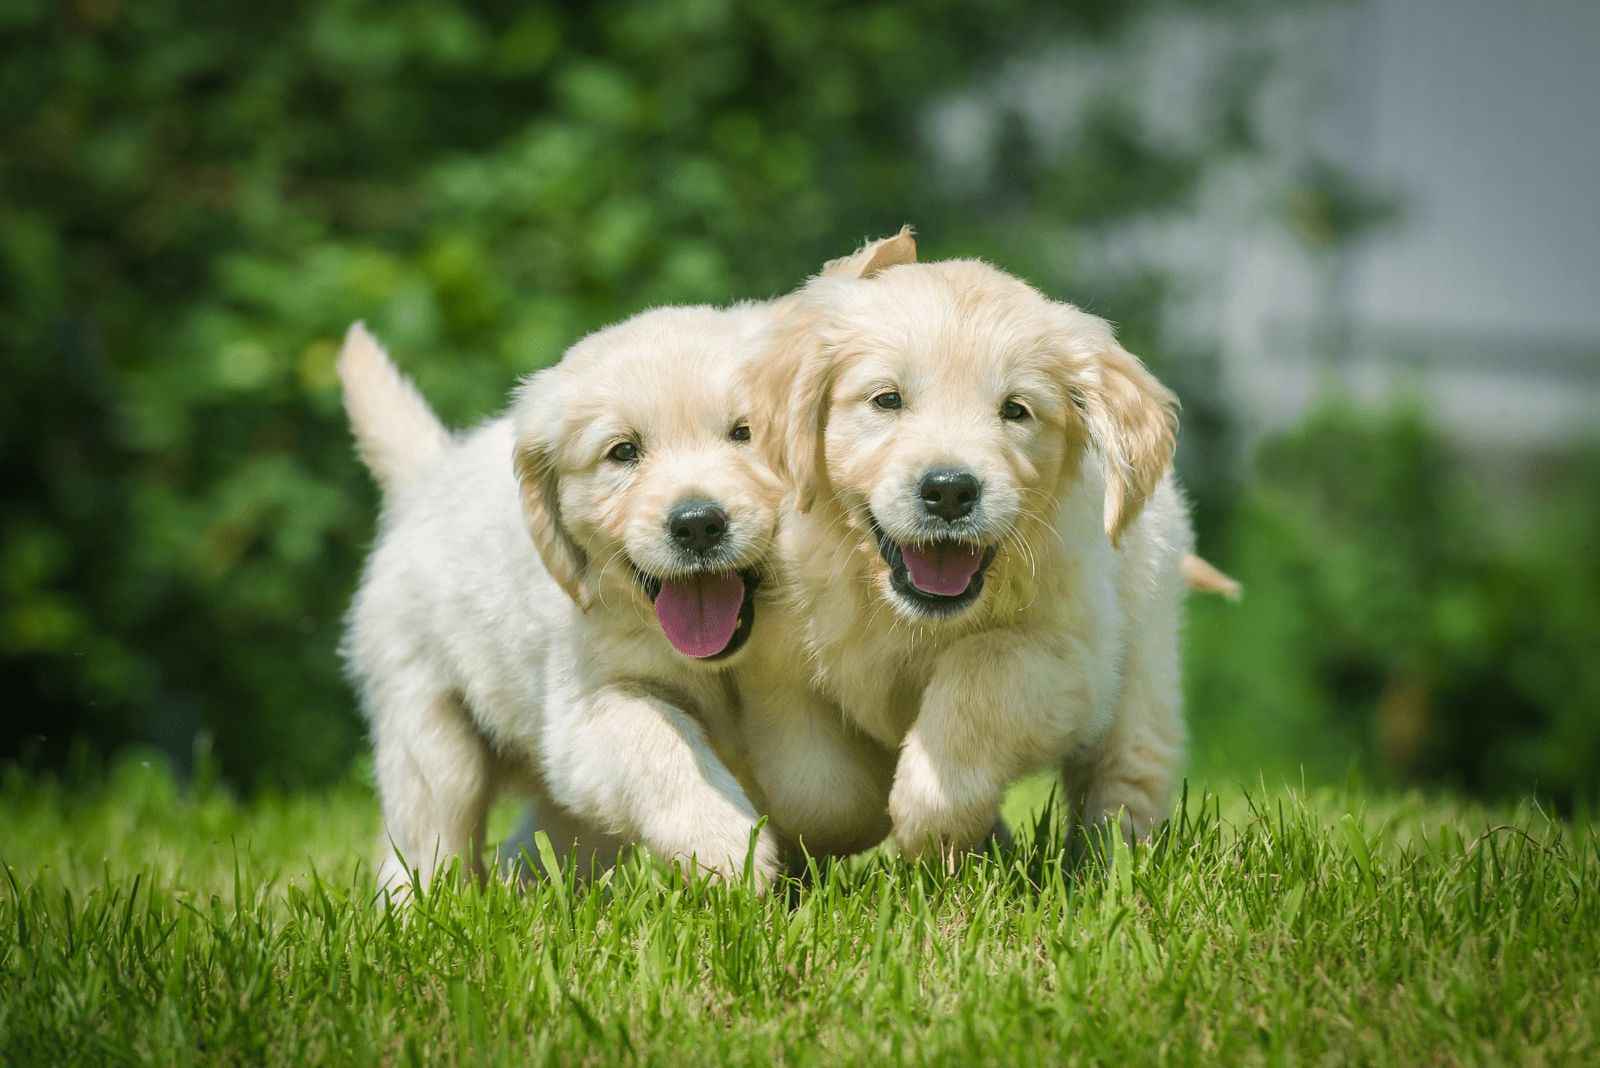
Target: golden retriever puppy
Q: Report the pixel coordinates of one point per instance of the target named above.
(982, 552)
(555, 597)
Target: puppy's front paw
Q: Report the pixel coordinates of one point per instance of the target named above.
(948, 810)
(765, 861)
(1129, 810)
(723, 857)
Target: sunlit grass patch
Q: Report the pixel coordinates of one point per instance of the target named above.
(1268, 927)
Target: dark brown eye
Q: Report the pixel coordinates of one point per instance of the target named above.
(623, 452)
(1013, 411)
(740, 432)
(888, 401)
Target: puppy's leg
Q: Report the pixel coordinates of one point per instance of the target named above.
(639, 766)
(999, 704)
(826, 786)
(435, 782)
(594, 850)
(1126, 776)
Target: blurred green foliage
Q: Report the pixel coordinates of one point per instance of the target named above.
(1435, 626)
(198, 196)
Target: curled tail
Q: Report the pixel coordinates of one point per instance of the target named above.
(397, 434)
(1204, 578)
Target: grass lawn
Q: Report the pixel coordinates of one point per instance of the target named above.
(140, 925)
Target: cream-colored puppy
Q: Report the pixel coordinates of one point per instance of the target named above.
(984, 551)
(555, 596)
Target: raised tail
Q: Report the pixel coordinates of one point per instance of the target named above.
(397, 434)
(1204, 578)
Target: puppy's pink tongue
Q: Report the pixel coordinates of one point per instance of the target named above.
(700, 612)
(944, 568)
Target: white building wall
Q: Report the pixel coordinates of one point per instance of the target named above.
(1483, 118)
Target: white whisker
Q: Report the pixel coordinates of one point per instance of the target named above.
(600, 576)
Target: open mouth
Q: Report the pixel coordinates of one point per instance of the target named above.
(941, 576)
(707, 615)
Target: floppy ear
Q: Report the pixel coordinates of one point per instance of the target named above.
(534, 462)
(874, 256)
(1131, 418)
(807, 420)
(789, 391)
(793, 383)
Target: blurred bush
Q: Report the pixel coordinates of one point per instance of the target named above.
(198, 196)
(1439, 627)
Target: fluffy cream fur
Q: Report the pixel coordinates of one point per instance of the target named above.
(1066, 658)
(490, 661)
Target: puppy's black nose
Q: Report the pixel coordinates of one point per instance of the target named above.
(697, 525)
(949, 493)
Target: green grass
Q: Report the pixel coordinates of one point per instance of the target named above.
(139, 924)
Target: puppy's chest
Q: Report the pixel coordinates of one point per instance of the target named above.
(878, 682)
